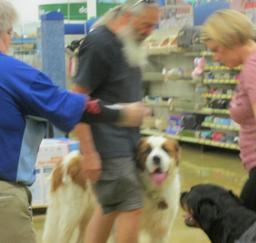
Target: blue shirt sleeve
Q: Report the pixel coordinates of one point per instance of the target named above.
(63, 108)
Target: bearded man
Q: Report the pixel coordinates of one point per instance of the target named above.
(110, 62)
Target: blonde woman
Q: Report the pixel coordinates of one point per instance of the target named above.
(229, 35)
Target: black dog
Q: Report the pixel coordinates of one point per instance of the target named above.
(219, 213)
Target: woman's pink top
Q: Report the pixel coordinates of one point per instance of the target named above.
(241, 111)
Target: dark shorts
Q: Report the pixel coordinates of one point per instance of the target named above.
(119, 188)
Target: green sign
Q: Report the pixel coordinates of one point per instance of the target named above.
(104, 7)
(74, 11)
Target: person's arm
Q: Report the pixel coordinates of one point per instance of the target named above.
(126, 115)
(65, 109)
(91, 163)
(249, 82)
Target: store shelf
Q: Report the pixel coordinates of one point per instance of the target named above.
(39, 206)
(153, 76)
(157, 104)
(222, 127)
(163, 50)
(180, 110)
(173, 49)
(220, 81)
(218, 96)
(196, 54)
(206, 53)
(221, 68)
(191, 139)
(215, 111)
(204, 111)
(182, 79)
(159, 77)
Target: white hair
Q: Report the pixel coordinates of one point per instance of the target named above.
(8, 15)
(130, 6)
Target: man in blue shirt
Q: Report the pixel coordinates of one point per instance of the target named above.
(27, 92)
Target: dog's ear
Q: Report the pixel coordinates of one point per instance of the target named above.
(207, 213)
(56, 177)
(178, 152)
(74, 170)
(142, 153)
(172, 146)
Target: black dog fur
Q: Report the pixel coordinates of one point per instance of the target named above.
(219, 213)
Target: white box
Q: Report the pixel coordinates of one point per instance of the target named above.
(51, 152)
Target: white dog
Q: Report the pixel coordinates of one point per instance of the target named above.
(158, 160)
(72, 201)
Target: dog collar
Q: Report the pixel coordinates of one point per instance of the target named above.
(161, 202)
(162, 205)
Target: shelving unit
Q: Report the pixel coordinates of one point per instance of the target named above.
(215, 111)
(159, 85)
(222, 127)
(39, 206)
(160, 77)
(220, 81)
(218, 96)
(201, 141)
(164, 50)
(220, 68)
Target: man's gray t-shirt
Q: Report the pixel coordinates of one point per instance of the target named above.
(104, 71)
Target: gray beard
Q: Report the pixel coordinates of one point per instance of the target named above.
(133, 50)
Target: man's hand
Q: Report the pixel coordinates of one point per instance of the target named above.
(91, 165)
(133, 114)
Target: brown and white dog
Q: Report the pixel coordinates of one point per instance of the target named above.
(158, 161)
(72, 201)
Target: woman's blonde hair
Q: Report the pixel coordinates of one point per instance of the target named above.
(228, 27)
(8, 16)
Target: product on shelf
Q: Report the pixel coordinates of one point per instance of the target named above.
(199, 63)
(189, 36)
(218, 104)
(192, 121)
(174, 124)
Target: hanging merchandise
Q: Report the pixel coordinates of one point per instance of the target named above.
(199, 62)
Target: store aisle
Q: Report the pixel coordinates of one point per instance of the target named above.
(197, 167)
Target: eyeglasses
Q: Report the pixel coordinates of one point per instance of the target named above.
(143, 1)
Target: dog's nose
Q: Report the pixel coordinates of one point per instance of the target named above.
(156, 160)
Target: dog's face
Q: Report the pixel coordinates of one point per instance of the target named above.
(157, 157)
(204, 204)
